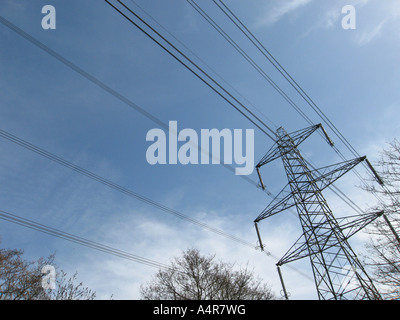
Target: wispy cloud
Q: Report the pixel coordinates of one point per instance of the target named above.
(381, 21)
(375, 20)
(331, 18)
(367, 36)
(281, 9)
(333, 13)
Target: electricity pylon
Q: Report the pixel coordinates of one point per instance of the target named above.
(338, 274)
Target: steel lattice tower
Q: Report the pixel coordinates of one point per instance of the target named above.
(338, 274)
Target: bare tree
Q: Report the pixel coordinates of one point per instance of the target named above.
(22, 280)
(384, 246)
(197, 277)
(67, 289)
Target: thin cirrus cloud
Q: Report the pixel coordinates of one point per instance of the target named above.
(369, 35)
(383, 22)
(374, 20)
(279, 10)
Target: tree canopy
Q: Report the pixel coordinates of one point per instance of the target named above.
(21, 279)
(196, 277)
(384, 245)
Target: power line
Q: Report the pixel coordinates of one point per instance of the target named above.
(196, 66)
(82, 72)
(240, 25)
(117, 187)
(169, 51)
(80, 170)
(103, 86)
(210, 85)
(202, 61)
(247, 57)
(106, 88)
(196, 70)
(192, 67)
(79, 240)
(6, 216)
(133, 194)
(234, 44)
(337, 191)
(284, 73)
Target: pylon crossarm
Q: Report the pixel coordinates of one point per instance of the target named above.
(306, 245)
(271, 155)
(296, 252)
(329, 174)
(284, 200)
(354, 224)
(298, 137)
(348, 226)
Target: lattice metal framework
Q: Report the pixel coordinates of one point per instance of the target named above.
(337, 271)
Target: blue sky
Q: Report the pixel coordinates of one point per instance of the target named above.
(352, 75)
